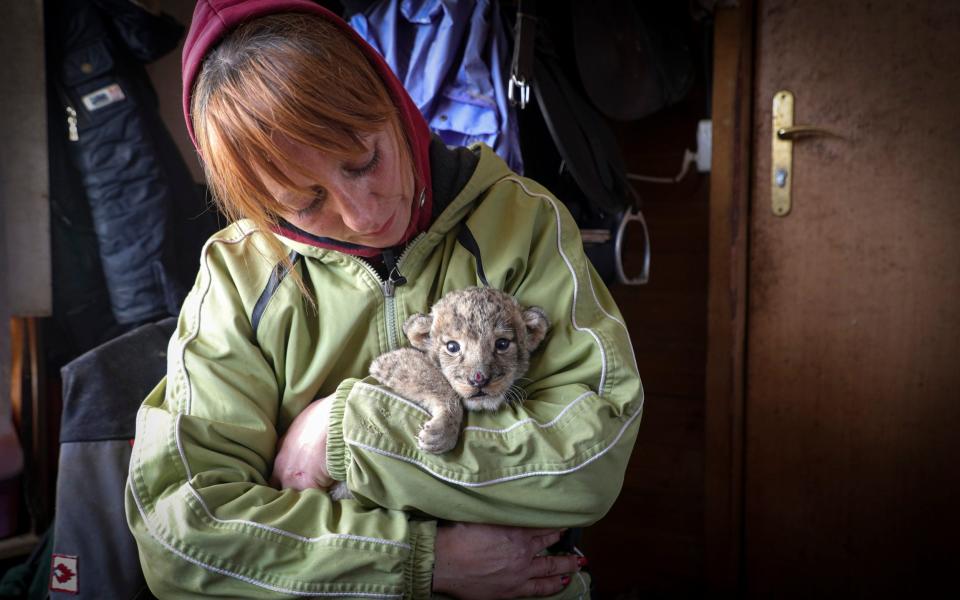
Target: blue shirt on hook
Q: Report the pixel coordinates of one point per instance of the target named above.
(451, 57)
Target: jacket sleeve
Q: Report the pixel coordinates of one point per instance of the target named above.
(197, 500)
(557, 459)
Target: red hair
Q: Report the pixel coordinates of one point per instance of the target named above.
(287, 75)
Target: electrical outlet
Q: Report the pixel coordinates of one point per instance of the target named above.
(704, 145)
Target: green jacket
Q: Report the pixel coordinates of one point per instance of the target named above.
(249, 354)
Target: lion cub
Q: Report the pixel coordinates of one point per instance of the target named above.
(468, 351)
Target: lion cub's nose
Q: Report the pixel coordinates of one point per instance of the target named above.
(479, 380)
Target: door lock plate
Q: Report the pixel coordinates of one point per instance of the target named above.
(781, 177)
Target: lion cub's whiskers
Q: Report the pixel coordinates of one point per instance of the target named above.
(515, 395)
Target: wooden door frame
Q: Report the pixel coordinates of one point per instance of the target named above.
(727, 296)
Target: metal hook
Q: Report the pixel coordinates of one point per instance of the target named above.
(522, 94)
(631, 215)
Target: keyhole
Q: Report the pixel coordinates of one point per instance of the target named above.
(780, 178)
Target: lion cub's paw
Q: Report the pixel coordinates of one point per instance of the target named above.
(438, 435)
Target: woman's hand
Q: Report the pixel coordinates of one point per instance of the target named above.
(301, 461)
(487, 562)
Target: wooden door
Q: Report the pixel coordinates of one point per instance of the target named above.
(852, 402)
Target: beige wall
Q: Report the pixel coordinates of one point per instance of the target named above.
(24, 209)
(165, 74)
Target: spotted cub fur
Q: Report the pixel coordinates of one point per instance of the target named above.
(467, 352)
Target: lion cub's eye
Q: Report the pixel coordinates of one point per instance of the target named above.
(453, 347)
(502, 344)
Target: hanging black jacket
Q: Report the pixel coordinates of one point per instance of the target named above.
(134, 179)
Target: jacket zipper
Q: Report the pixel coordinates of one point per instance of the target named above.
(394, 279)
(72, 134)
(389, 286)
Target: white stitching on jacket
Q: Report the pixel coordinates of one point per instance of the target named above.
(276, 530)
(183, 345)
(244, 578)
(427, 468)
(374, 388)
(296, 536)
(633, 353)
(576, 283)
(546, 425)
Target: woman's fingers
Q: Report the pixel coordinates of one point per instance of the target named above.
(548, 575)
(479, 562)
(544, 538)
(544, 586)
(542, 531)
(548, 566)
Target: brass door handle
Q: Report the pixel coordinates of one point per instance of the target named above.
(797, 131)
(784, 133)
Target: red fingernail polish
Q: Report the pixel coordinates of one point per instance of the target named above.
(582, 561)
(565, 580)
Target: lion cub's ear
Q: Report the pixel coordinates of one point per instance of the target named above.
(537, 324)
(417, 330)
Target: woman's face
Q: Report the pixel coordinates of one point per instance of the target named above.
(364, 200)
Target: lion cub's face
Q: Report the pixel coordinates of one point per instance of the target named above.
(482, 340)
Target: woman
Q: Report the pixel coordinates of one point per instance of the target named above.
(351, 219)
